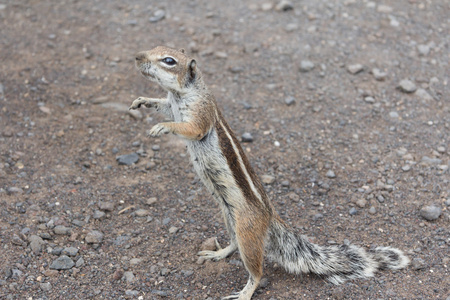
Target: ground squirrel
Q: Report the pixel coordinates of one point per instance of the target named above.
(254, 226)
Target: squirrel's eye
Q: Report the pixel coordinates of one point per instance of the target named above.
(169, 61)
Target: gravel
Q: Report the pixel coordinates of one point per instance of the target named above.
(407, 86)
(430, 212)
(247, 137)
(94, 237)
(128, 159)
(62, 263)
(355, 69)
(306, 66)
(36, 244)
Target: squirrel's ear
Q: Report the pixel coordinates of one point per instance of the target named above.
(192, 71)
(182, 50)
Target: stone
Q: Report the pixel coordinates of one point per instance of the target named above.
(247, 137)
(331, 174)
(378, 74)
(306, 66)
(94, 237)
(118, 274)
(158, 15)
(128, 159)
(173, 230)
(291, 27)
(393, 114)
(289, 101)
(98, 214)
(70, 251)
(353, 211)
(284, 5)
(135, 261)
(418, 264)
(384, 9)
(407, 86)
(267, 179)
(372, 210)
(355, 69)
(129, 277)
(62, 263)
(80, 262)
(131, 293)
(209, 244)
(106, 206)
(151, 201)
(369, 99)
(430, 212)
(36, 244)
(423, 95)
(423, 49)
(430, 161)
(61, 230)
(45, 286)
(361, 203)
(142, 212)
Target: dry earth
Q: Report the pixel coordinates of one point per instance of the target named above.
(346, 104)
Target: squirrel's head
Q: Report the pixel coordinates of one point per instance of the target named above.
(172, 69)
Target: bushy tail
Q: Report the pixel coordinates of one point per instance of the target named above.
(337, 263)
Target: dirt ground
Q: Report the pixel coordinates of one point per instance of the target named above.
(347, 103)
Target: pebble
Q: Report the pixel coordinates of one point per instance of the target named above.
(369, 99)
(441, 149)
(45, 286)
(247, 137)
(355, 69)
(158, 15)
(98, 214)
(289, 101)
(36, 244)
(129, 277)
(407, 86)
(430, 212)
(418, 264)
(378, 74)
(384, 9)
(166, 221)
(266, 6)
(372, 210)
(430, 161)
(132, 293)
(156, 147)
(62, 263)
(330, 174)
(128, 159)
(14, 190)
(61, 230)
(160, 293)
(135, 261)
(80, 262)
(361, 203)
(380, 198)
(353, 211)
(267, 179)
(306, 66)
(151, 201)
(173, 230)
(393, 114)
(291, 27)
(118, 274)
(406, 168)
(94, 237)
(70, 251)
(106, 206)
(285, 183)
(284, 5)
(209, 244)
(142, 212)
(423, 49)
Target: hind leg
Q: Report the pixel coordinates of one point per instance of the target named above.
(250, 235)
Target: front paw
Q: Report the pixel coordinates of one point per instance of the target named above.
(138, 102)
(158, 130)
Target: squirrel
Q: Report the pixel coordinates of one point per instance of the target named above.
(254, 226)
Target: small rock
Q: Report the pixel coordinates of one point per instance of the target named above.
(247, 137)
(62, 263)
(430, 161)
(430, 212)
(142, 212)
(372, 210)
(266, 6)
(406, 168)
(151, 201)
(61, 230)
(135, 261)
(267, 179)
(156, 147)
(441, 149)
(160, 293)
(173, 230)
(98, 214)
(306, 66)
(369, 99)
(380, 198)
(361, 203)
(330, 174)
(407, 86)
(70, 251)
(384, 9)
(291, 27)
(355, 69)
(393, 114)
(285, 183)
(378, 74)
(418, 264)
(264, 282)
(80, 262)
(131, 293)
(353, 211)
(284, 5)
(289, 101)
(118, 274)
(209, 244)
(45, 286)
(36, 244)
(166, 221)
(106, 206)
(158, 15)
(129, 277)
(423, 95)
(423, 50)
(128, 159)
(94, 237)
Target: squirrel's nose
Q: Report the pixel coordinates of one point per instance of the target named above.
(140, 56)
